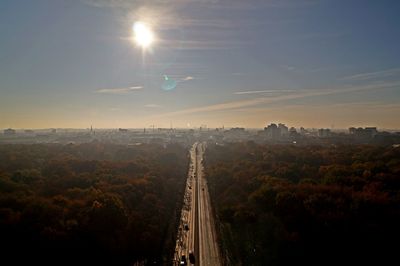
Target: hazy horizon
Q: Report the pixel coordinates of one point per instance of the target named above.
(149, 129)
(316, 64)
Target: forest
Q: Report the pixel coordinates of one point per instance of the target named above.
(305, 205)
(90, 204)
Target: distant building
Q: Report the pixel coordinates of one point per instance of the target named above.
(235, 133)
(363, 133)
(124, 130)
(293, 133)
(371, 130)
(9, 132)
(272, 131)
(303, 131)
(284, 130)
(324, 132)
(276, 132)
(237, 129)
(352, 130)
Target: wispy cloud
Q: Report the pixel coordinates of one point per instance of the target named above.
(374, 75)
(262, 92)
(130, 3)
(238, 74)
(191, 32)
(367, 104)
(289, 68)
(119, 90)
(183, 79)
(203, 43)
(188, 78)
(266, 100)
(114, 109)
(178, 70)
(341, 115)
(228, 4)
(152, 105)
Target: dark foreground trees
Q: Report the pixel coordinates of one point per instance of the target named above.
(89, 204)
(288, 205)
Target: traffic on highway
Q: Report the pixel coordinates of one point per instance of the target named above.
(196, 240)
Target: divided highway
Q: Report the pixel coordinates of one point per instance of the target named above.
(196, 240)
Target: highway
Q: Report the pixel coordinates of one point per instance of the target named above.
(196, 231)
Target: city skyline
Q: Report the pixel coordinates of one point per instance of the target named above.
(239, 64)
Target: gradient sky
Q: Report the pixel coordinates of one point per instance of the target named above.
(311, 63)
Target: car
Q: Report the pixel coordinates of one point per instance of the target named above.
(183, 260)
(191, 257)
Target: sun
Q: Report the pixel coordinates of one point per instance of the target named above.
(142, 34)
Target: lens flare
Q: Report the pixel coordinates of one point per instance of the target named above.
(168, 84)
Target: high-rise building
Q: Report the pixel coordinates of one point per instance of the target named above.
(284, 130)
(9, 132)
(303, 131)
(272, 131)
(363, 133)
(324, 132)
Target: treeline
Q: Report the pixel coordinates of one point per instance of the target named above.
(90, 204)
(309, 205)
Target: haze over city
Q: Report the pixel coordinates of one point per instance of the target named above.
(199, 132)
(72, 64)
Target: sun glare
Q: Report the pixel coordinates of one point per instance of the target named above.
(143, 35)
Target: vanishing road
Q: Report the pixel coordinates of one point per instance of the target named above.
(196, 232)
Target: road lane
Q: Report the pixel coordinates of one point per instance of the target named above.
(209, 253)
(197, 213)
(185, 240)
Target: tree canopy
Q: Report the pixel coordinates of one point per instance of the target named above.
(90, 204)
(308, 205)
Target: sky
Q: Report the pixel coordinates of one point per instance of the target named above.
(232, 63)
